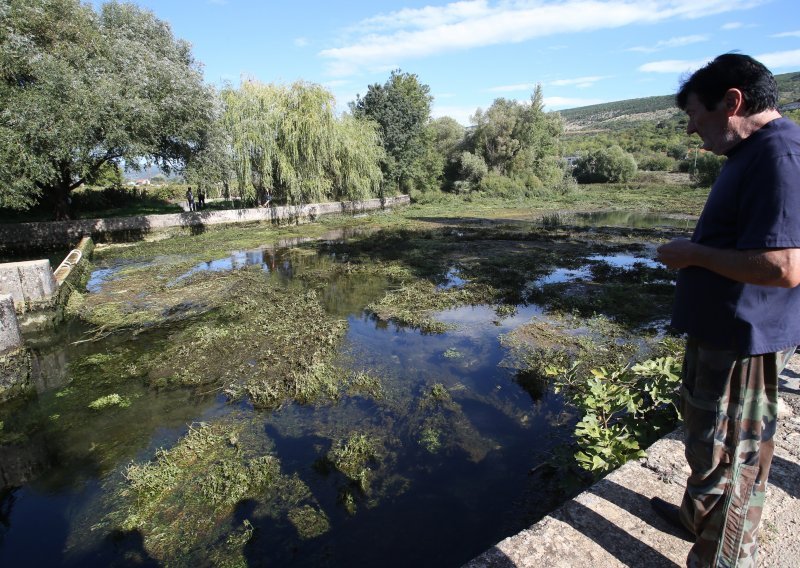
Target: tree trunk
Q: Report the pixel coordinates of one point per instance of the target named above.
(61, 202)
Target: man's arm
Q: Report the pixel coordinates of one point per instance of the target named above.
(765, 267)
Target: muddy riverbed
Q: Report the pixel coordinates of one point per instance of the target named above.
(369, 397)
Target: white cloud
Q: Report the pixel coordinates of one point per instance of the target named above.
(420, 32)
(732, 26)
(780, 59)
(301, 41)
(461, 114)
(512, 88)
(580, 82)
(772, 60)
(672, 42)
(787, 34)
(673, 66)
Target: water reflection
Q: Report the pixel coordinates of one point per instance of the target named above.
(633, 219)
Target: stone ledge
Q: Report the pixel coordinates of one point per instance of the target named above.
(58, 233)
(612, 525)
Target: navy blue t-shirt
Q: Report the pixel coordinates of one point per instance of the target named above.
(754, 204)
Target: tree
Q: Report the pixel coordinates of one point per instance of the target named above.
(605, 165)
(79, 90)
(517, 138)
(287, 142)
(448, 145)
(402, 108)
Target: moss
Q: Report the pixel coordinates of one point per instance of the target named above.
(108, 401)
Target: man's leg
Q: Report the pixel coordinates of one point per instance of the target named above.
(730, 413)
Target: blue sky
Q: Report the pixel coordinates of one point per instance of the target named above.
(471, 52)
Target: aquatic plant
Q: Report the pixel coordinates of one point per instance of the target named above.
(108, 401)
(180, 500)
(430, 439)
(624, 409)
(452, 353)
(353, 456)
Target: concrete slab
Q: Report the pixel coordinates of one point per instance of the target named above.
(28, 282)
(10, 336)
(612, 525)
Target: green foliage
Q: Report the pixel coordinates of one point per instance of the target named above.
(517, 138)
(706, 168)
(623, 409)
(472, 170)
(287, 142)
(109, 401)
(657, 163)
(402, 108)
(606, 111)
(448, 144)
(108, 175)
(353, 456)
(80, 90)
(181, 500)
(605, 165)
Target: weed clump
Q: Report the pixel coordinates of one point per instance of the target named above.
(180, 500)
(108, 401)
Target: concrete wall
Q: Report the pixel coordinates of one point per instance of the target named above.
(30, 283)
(10, 336)
(59, 233)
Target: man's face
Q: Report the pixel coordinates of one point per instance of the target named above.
(713, 126)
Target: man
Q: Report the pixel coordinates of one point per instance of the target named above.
(738, 301)
(190, 199)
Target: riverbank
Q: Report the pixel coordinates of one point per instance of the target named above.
(612, 524)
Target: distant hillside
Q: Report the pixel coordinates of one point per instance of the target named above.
(622, 113)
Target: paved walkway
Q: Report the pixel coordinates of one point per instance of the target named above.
(611, 524)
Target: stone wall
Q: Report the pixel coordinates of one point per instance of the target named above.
(58, 233)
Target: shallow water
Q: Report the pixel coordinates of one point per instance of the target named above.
(633, 219)
(429, 506)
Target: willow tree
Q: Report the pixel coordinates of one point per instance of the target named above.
(286, 141)
(80, 90)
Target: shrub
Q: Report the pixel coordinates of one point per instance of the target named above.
(657, 163)
(473, 168)
(707, 168)
(605, 165)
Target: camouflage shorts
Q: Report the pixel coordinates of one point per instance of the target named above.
(730, 413)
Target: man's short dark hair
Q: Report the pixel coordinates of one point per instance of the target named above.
(731, 71)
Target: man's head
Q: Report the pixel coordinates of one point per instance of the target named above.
(728, 100)
(731, 71)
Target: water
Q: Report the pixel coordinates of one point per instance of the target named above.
(633, 219)
(60, 460)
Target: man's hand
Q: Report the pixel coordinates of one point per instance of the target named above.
(676, 254)
(765, 267)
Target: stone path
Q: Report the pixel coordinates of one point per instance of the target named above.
(611, 524)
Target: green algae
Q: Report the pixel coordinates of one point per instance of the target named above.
(180, 500)
(108, 401)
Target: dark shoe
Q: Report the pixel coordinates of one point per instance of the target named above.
(672, 515)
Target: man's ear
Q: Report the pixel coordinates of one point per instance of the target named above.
(734, 102)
